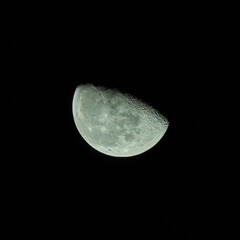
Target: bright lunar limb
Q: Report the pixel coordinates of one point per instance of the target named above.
(114, 123)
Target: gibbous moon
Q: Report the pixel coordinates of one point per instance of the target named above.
(114, 123)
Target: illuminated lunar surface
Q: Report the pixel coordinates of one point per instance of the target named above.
(114, 123)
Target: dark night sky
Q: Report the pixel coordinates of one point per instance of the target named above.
(183, 64)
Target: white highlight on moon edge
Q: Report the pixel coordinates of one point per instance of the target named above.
(114, 123)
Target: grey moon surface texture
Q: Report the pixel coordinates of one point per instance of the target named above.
(115, 123)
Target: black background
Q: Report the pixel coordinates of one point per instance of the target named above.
(183, 62)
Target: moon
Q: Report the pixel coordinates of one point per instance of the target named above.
(115, 123)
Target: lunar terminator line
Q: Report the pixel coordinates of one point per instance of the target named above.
(114, 123)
